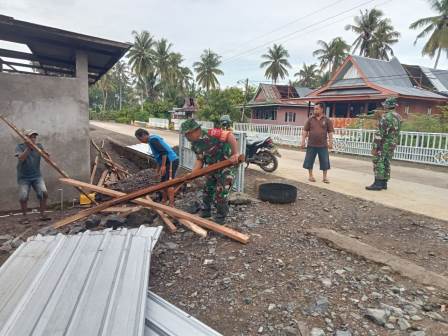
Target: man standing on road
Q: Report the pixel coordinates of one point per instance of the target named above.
(165, 156)
(386, 139)
(29, 175)
(319, 132)
(211, 147)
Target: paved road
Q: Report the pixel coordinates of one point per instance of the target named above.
(421, 191)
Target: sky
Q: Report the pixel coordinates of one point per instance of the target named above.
(240, 31)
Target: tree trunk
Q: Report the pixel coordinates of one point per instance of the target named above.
(437, 58)
(120, 97)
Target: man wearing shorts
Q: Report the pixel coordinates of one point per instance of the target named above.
(165, 156)
(29, 175)
(319, 132)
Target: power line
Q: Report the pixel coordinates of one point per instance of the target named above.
(289, 23)
(232, 58)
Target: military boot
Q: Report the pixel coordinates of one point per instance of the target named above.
(221, 213)
(384, 184)
(206, 212)
(377, 185)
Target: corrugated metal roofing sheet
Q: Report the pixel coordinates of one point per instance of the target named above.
(438, 78)
(89, 284)
(384, 72)
(164, 319)
(413, 91)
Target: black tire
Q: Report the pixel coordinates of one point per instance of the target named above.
(270, 160)
(277, 193)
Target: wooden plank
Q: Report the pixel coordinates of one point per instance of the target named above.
(95, 166)
(399, 265)
(171, 227)
(193, 227)
(176, 213)
(44, 155)
(103, 177)
(142, 192)
(122, 209)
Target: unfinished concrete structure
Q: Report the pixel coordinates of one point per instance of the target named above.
(49, 93)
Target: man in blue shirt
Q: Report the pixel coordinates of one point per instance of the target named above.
(29, 175)
(165, 156)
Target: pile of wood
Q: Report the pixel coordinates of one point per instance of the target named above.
(113, 171)
(167, 213)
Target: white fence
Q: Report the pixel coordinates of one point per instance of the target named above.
(158, 123)
(187, 158)
(429, 148)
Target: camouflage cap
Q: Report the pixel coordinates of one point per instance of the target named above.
(390, 103)
(189, 125)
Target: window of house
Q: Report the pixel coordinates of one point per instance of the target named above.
(406, 109)
(429, 110)
(268, 113)
(290, 117)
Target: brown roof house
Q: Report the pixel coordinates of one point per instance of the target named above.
(278, 104)
(187, 111)
(361, 84)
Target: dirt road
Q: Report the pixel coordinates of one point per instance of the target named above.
(417, 190)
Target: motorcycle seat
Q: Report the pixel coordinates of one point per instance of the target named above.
(252, 142)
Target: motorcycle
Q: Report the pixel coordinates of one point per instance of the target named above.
(263, 153)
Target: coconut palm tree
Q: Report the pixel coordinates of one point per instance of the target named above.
(106, 84)
(331, 54)
(365, 26)
(437, 28)
(162, 51)
(207, 69)
(276, 63)
(140, 56)
(121, 78)
(383, 37)
(308, 75)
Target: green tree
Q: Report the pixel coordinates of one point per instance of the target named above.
(276, 63)
(437, 28)
(106, 85)
(207, 69)
(162, 54)
(331, 54)
(308, 75)
(383, 38)
(141, 57)
(121, 79)
(221, 102)
(375, 34)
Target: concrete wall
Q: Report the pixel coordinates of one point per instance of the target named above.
(301, 117)
(58, 109)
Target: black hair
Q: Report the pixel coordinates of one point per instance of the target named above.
(320, 104)
(141, 132)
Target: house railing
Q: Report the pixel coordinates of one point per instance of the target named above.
(421, 147)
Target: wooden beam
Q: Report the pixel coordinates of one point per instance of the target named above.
(44, 155)
(142, 192)
(95, 166)
(122, 209)
(193, 227)
(103, 177)
(169, 224)
(202, 222)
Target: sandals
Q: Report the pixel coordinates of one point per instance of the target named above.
(327, 181)
(311, 179)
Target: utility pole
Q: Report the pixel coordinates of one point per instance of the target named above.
(246, 89)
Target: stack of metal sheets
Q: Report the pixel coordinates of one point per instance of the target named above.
(94, 283)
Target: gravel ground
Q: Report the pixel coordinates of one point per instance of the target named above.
(284, 278)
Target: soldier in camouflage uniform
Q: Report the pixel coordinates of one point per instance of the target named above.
(211, 147)
(386, 139)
